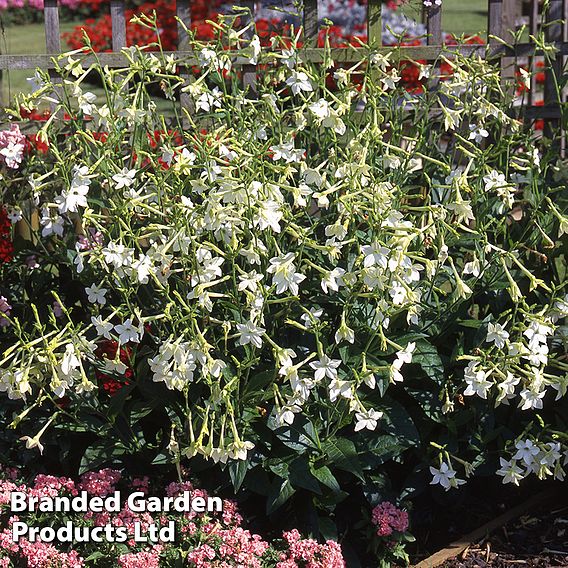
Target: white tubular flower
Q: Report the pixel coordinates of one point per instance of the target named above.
(496, 333)
(445, 476)
(250, 333)
(510, 471)
(96, 294)
(325, 367)
(284, 274)
(299, 82)
(367, 419)
(127, 332)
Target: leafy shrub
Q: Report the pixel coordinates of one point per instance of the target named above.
(329, 292)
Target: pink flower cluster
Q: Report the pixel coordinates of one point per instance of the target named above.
(309, 553)
(100, 483)
(388, 519)
(144, 559)
(12, 146)
(216, 539)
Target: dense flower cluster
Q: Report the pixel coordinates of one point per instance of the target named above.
(388, 519)
(204, 540)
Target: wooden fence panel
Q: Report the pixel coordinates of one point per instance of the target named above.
(501, 13)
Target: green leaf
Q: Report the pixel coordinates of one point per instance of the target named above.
(398, 422)
(280, 492)
(299, 436)
(430, 403)
(323, 474)
(426, 355)
(342, 453)
(301, 476)
(237, 471)
(328, 529)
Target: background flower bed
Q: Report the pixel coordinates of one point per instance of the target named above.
(379, 216)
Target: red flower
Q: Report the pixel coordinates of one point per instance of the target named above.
(110, 383)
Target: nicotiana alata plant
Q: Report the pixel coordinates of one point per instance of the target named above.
(307, 285)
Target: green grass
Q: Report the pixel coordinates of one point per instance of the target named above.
(458, 17)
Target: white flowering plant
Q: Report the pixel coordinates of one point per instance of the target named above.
(325, 286)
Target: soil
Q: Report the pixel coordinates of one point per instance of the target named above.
(536, 540)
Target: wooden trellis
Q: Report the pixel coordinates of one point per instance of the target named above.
(501, 16)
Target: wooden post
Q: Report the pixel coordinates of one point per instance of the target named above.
(311, 22)
(249, 71)
(118, 20)
(553, 71)
(511, 15)
(533, 29)
(433, 18)
(52, 38)
(183, 12)
(374, 23)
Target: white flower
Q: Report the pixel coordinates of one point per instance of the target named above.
(477, 133)
(255, 50)
(325, 367)
(13, 155)
(124, 178)
(284, 274)
(494, 180)
(85, 102)
(473, 268)
(367, 419)
(127, 332)
(405, 355)
(510, 471)
(375, 254)
(344, 333)
(311, 318)
(269, 215)
(298, 82)
(531, 399)
(340, 388)
(445, 476)
(250, 333)
(116, 254)
(506, 389)
(209, 101)
(286, 414)
(96, 294)
(249, 281)
(51, 226)
(526, 451)
(287, 152)
(496, 334)
(476, 379)
(333, 280)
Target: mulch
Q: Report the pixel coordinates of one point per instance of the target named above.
(535, 540)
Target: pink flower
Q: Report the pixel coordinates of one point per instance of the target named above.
(12, 145)
(142, 559)
(388, 518)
